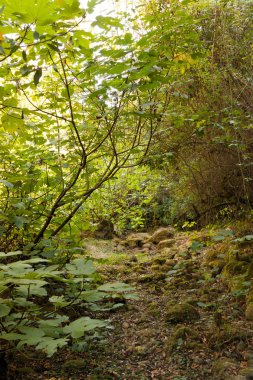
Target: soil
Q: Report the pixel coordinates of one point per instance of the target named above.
(142, 343)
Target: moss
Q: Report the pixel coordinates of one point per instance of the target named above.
(171, 262)
(249, 312)
(234, 268)
(181, 313)
(217, 264)
(180, 335)
(221, 367)
(210, 255)
(152, 309)
(156, 267)
(159, 260)
(167, 243)
(159, 276)
(250, 270)
(146, 278)
(28, 371)
(168, 252)
(249, 297)
(247, 372)
(229, 334)
(74, 364)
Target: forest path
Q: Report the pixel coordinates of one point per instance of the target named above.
(205, 337)
(210, 341)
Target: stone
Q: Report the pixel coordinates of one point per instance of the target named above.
(74, 364)
(247, 373)
(234, 268)
(249, 312)
(137, 240)
(182, 333)
(162, 234)
(179, 313)
(222, 366)
(105, 230)
(169, 253)
(217, 264)
(168, 243)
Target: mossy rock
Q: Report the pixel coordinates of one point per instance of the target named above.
(179, 336)
(229, 334)
(249, 296)
(162, 234)
(167, 243)
(250, 270)
(246, 255)
(74, 364)
(247, 372)
(171, 262)
(160, 260)
(249, 312)
(234, 268)
(159, 276)
(210, 255)
(152, 309)
(25, 371)
(156, 267)
(168, 253)
(179, 313)
(217, 264)
(222, 366)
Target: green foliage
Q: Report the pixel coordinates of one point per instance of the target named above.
(38, 296)
(133, 200)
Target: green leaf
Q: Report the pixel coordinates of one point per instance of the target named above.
(58, 301)
(107, 22)
(54, 47)
(92, 4)
(7, 184)
(115, 287)
(11, 336)
(24, 56)
(3, 254)
(4, 309)
(81, 267)
(36, 35)
(78, 327)
(19, 221)
(51, 345)
(37, 76)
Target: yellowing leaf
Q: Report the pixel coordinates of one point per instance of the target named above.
(1, 37)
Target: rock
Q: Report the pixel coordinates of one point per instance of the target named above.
(162, 234)
(105, 230)
(159, 260)
(221, 368)
(169, 253)
(147, 246)
(217, 264)
(133, 259)
(168, 243)
(137, 240)
(181, 334)
(234, 268)
(249, 312)
(74, 364)
(25, 372)
(181, 313)
(247, 373)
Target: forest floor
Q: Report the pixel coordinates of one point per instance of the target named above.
(212, 339)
